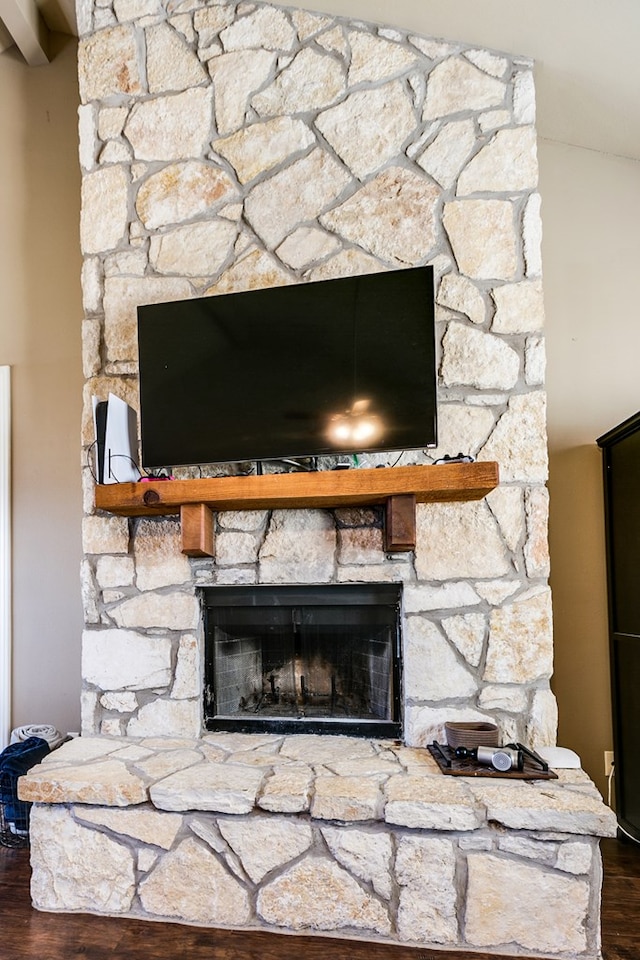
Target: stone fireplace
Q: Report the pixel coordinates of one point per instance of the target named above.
(226, 146)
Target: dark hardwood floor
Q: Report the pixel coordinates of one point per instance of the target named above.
(26, 934)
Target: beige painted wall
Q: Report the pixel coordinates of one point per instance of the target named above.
(590, 249)
(40, 338)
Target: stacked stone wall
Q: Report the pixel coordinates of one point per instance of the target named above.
(226, 146)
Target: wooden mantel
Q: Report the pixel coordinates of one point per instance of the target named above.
(399, 488)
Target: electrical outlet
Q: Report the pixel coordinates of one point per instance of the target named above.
(608, 762)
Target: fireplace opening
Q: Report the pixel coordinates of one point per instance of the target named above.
(318, 659)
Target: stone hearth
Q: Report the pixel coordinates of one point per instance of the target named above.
(318, 834)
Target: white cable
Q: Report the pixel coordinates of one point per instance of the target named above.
(609, 785)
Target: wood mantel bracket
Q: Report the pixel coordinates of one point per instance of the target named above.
(398, 489)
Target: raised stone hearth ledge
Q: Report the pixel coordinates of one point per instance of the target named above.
(318, 834)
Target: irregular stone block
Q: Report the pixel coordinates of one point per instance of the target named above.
(432, 671)
(191, 884)
(478, 359)
(236, 76)
(165, 718)
(187, 680)
(312, 80)
(306, 245)
(506, 506)
(367, 855)
(484, 238)
(316, 181)
(196, 250)
(434, 803)
(171, 64)
(536, 548)
(106, 782)
(318, 895)
(467, 632)
(458, 540)
(115, 571)
(425, 871)
(508, 163)
(182, 191)
(369, 128)
(420, 598)
(267, 28)
(265, 843)
(105, 535)
(445, 156)
(108, 64)
(374, 59)
(520, 647)
(125, 660)
(347, 798)
(157, 551)
(261, 146)
(555, 917)
(145, 825)
(75, 868)
(545, 805)
(519, 307)
(288, 789)
(121, 297)
(401, 206)
(174, 127)
(460, 294)
(104, 209)
(225, 788)
(300, 547)
(455, 85)
(519, 441)
(170, 611)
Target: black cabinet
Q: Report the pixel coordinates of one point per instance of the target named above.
(621, 461)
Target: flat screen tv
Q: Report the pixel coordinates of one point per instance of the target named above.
(341, 366)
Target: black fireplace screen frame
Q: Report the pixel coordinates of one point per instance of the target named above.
(383, 601)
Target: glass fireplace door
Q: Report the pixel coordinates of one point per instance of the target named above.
(322, 659)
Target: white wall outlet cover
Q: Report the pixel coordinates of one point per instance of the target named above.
(560, 757)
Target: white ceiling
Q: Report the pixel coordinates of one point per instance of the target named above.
(586, 52)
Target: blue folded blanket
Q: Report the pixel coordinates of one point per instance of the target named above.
(16, 760)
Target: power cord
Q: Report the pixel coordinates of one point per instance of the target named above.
(609, 792)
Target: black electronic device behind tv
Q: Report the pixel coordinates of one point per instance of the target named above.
(313, 369)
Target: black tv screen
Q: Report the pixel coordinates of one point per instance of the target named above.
(332, 367)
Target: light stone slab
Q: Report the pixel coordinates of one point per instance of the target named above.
(146, 825)
(76, 869)
(224, 788)
(462, 429)
(401, 205)
(365, 854)
(108, 64)
(477, 359)
(197, 250)
(264, 844)
(445, 156)
(518, 442)
(420, 598)
(535, 361)
(519, 307)
(445, 675)
(347, 798)
(191, 883)
(254, 271)
(187, 681)
(107, 782)
(157, 552)
(287, 789)
(121, 297)
(460, 294)
(458, 540)
(236, 76)
(125, 660)
(173, 127)
(536, 548)
(267, 28)
(315, 180)
(170, 611)
(104, 209)
(300, 547)
(484, 238)
(467, 632)
(260, 147)
(437, 803)
(338, 900)
(307, 245)
(426, 872)
(167, 718)
(312, 80)
(171, 63)
(375, 59)
(555, 916)
(183, 191)
(326, 749)
(545, 805)
(455, 85)
(506, 505)
(520, 645)
(507, 164)
(368, 129)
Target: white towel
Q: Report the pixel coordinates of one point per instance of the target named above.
(43, 730)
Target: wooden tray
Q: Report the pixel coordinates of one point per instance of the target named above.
(464, 767)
